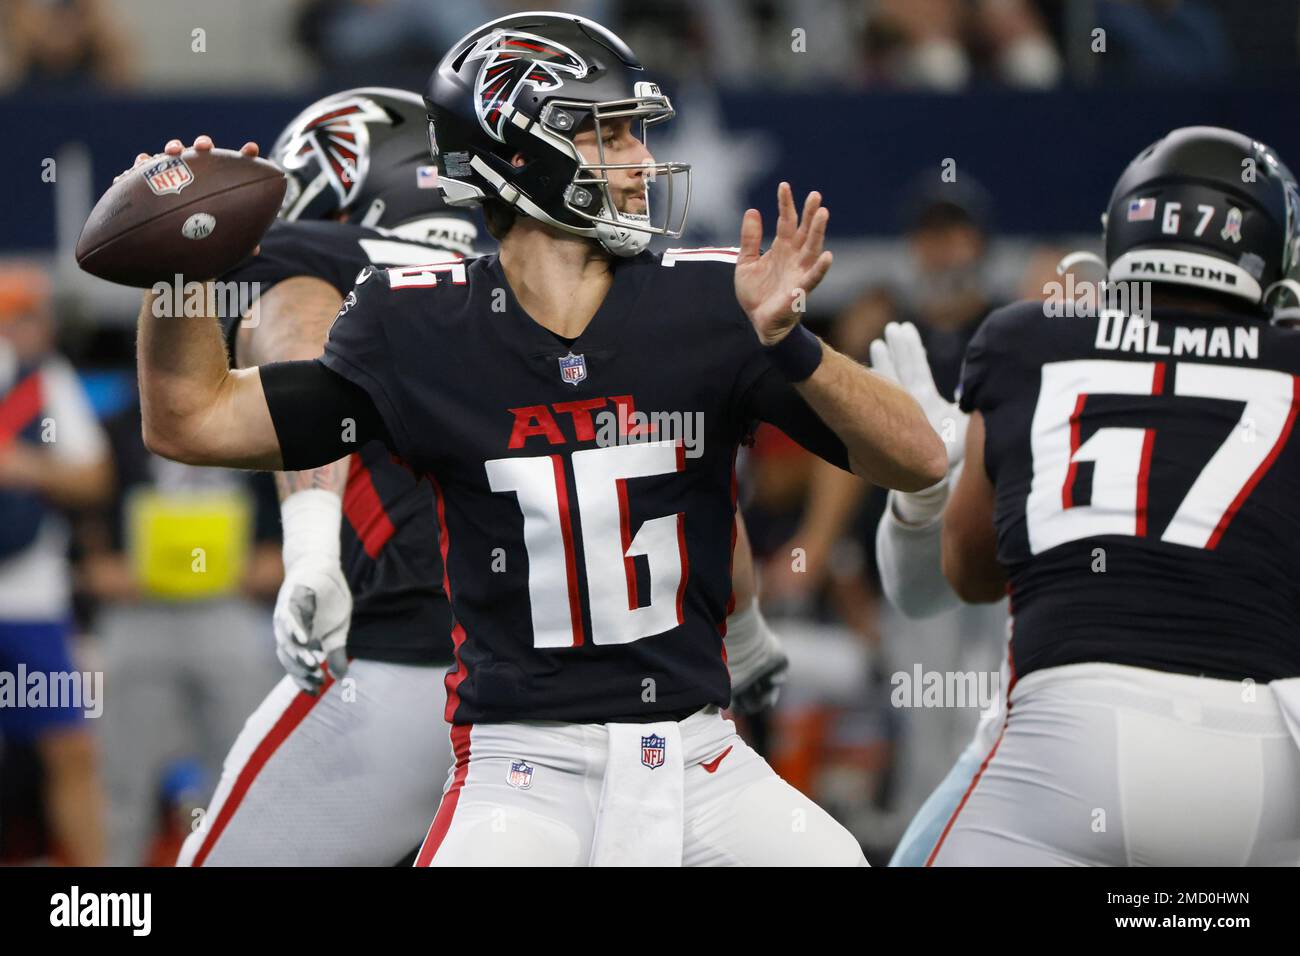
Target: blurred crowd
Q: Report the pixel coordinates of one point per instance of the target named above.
(154, 576)
(941, 45)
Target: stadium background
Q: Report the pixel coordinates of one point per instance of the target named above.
(962, 146)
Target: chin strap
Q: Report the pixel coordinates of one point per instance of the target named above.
(620, 241)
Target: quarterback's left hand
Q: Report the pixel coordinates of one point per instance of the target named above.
(771, 287)
(756, 660)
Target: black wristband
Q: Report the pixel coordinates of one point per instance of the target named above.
(797, 355)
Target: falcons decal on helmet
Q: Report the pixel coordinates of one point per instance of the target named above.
(340, 138)
(512, 61)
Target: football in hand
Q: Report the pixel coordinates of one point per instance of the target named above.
(195, 215)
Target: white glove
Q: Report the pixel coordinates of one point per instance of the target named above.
(756, 660)
(313, 610)
(900, 357)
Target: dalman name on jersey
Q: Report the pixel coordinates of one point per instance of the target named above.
(400, 613)
(1146, 477)
(590, 578)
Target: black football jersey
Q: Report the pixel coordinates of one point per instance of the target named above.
(1147, 488)
(585, 489)
(389, 535)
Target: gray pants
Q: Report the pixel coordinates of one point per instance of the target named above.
(179, 680)
(1104, 765)
(350, 778)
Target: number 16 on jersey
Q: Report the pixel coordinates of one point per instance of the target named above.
(599, 497)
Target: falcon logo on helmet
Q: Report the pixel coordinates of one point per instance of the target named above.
(339, 139)
(511, 62)
(361, 155)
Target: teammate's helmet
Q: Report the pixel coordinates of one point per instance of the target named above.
(525, 84)
(364, 153)
(1205, 207)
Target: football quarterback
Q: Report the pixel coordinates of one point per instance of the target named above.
(576, 402)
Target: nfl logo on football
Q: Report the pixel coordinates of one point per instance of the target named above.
(573, 368)
(521, 774)
(652, 751)
(169, 175)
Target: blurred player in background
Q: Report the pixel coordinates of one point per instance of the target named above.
(331, 771)
(53, 455)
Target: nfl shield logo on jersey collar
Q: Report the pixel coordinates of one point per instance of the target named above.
(573, 368)
(652, 751)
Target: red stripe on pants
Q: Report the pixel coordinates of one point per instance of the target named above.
(447, 808)
(965, 796)
(1006, 717)
(293, 715)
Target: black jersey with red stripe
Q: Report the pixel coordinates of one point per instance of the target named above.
(585, 490)
(389, 533)
(1147, 476)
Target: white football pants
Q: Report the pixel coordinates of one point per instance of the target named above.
(1107, 765)
(737, 811)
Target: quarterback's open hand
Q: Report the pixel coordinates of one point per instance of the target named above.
(771, 287)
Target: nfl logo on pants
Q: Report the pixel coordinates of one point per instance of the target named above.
(521, 775)
(652, 751)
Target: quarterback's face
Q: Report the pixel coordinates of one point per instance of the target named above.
(619, 144)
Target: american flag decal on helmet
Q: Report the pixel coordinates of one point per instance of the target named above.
(511, 61)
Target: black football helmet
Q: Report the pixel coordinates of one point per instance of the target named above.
(1209, 208)
(363, 154)
(525, 84)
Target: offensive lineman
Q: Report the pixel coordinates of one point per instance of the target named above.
(589, 673)
(1133, 485)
